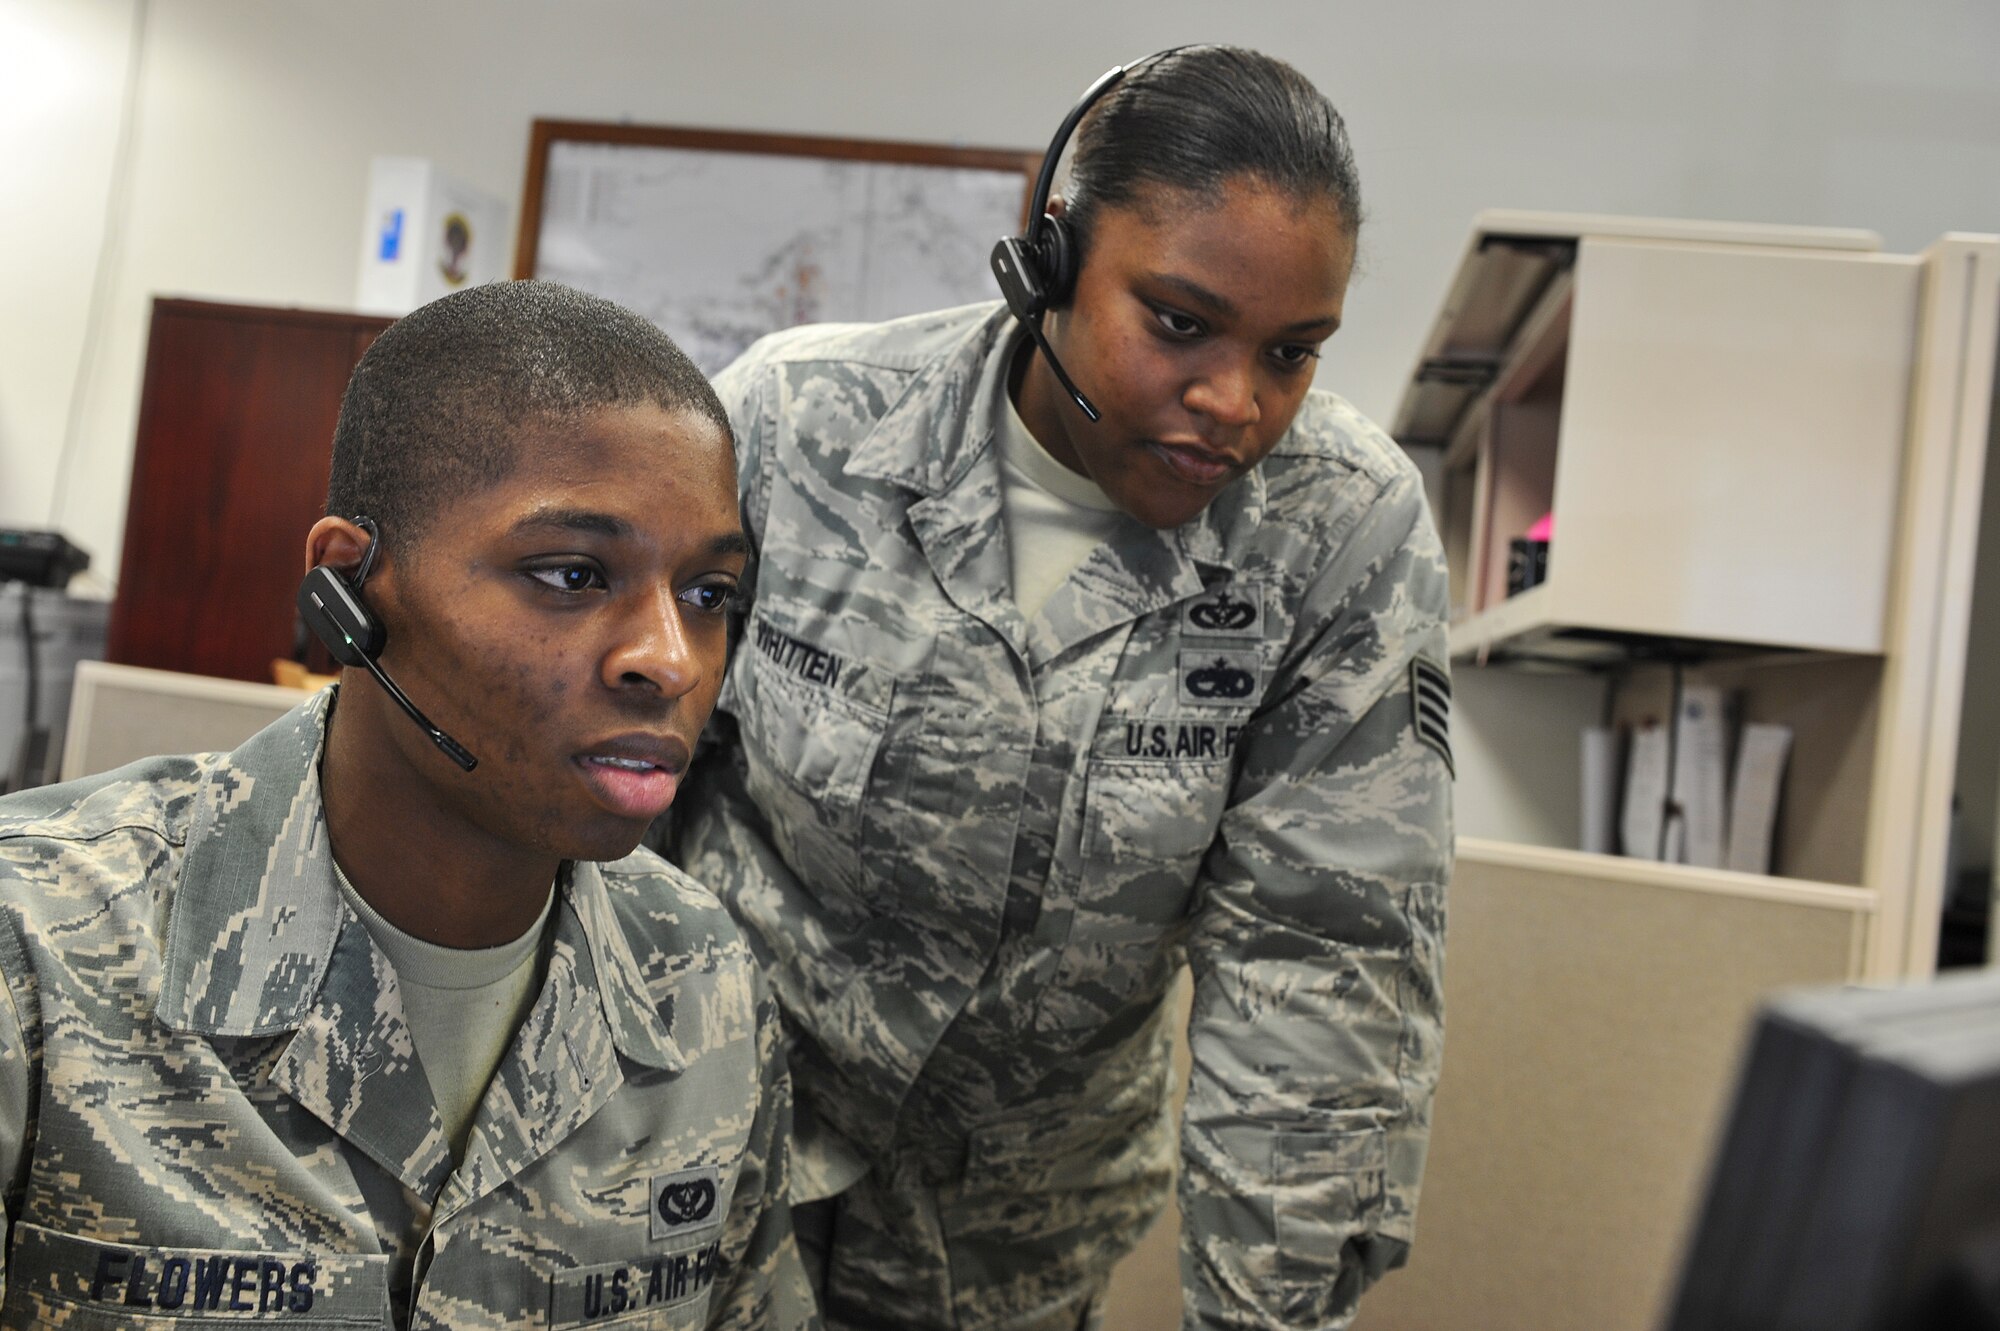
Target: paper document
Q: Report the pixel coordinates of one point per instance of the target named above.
(1753, 812)
(1645, 794)
(1602, 748)
(1701, 769)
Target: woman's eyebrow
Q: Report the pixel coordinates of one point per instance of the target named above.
(1211, 302)
(1215, 303)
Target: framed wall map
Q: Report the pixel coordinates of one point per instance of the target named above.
(720, 237)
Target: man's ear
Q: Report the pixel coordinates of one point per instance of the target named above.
(336, 542)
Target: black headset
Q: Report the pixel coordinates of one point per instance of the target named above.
(1037, 270)
(330, 604)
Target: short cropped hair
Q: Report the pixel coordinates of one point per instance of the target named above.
(435, 410)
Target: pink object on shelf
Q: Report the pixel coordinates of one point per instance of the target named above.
(1544, 528)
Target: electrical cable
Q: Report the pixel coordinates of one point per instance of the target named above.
(1670, 809)
(34, 657)
(18, 776)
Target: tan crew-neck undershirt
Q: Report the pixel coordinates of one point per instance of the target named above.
(1054, 517)
(463, 1006)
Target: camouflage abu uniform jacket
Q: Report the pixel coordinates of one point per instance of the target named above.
(211, 1111)
(974, 849)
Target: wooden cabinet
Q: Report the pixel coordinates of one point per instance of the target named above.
(230, 468)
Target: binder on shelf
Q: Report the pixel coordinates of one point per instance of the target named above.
(1603, 748)
(1641, 829)
(1753, 804)
(1701, 773)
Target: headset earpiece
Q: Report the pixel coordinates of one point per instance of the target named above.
(332, 609)
(1055, 258)
(1018, 270)
(1038, 270)
(330, 604)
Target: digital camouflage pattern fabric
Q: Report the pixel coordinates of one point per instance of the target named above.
(974, 849)
(211, 1110)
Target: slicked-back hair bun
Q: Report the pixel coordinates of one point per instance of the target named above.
(1199, 117)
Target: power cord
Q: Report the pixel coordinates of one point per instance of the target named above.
(30, 752)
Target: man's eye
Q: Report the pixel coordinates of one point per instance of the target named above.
(1180, 325)
(1296, 355)
(569, 577)
(713, 597)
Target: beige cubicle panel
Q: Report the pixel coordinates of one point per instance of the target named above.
(1596, 1012)
(119, 714)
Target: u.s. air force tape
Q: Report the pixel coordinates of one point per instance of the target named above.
(612, 1291)
(1430, 708)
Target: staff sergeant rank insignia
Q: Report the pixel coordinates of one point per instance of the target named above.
(1430, 708)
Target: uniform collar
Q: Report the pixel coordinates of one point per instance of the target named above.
(931, 434)
(938, 429)
(256, 912)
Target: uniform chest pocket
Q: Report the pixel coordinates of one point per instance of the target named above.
(1155, 789)
(1149, 817)
(663, 1291)
(59, 1279)
(809, 745)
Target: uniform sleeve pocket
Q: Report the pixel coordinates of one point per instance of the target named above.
(1328, 1193)
(59, 1279)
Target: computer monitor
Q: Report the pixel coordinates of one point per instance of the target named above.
(1858, 1183)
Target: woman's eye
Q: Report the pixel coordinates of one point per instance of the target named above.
(1180, 325)
(712, 597)
(569, 577)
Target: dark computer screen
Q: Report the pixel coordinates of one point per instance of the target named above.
(1857, 1187)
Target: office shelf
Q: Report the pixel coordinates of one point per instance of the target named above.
(1761, 449)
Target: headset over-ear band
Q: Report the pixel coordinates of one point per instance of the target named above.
(1043, 268)
(331, 605)
(1037, 269)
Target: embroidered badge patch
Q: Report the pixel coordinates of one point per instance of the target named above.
(1225, 612)
(685, 1202)
(1215, 675)
(1430, 708)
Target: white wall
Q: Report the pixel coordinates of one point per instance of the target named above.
(62, 79)
(256, 119)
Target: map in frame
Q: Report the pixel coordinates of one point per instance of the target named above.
(720, 245)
